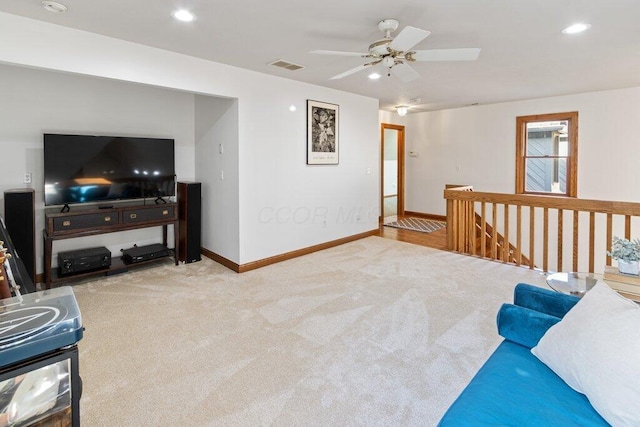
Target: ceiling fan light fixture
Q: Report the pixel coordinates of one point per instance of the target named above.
(402, 110)
(388, 61)
(576, 28)
(396, 52)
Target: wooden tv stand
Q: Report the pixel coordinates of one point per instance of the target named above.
(82, 222)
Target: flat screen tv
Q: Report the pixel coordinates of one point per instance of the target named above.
(86, 168)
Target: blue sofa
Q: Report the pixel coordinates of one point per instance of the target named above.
(513, 387)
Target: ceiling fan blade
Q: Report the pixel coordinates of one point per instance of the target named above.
(467, 54)
(405, 72)
(351, 71)
(408, 38)
(336, 52)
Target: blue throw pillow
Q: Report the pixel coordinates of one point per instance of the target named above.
(523, 325)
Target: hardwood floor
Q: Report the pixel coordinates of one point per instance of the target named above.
(436, 239)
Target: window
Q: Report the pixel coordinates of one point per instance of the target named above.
(547, 154)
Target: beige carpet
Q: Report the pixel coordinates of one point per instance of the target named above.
(374, 332)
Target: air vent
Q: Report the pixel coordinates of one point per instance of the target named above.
(287, 65)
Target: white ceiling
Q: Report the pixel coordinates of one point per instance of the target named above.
(524, 54)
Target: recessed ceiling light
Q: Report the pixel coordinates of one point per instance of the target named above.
(55, 7)
(374, 76)
(576, 28)
(292, 108)
(184, 15)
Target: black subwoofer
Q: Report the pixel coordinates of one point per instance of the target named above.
(190, 220)
(19, 218)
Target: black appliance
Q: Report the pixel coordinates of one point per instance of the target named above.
(20, 220)
(39, 352)
(190, 220)
(80, 260)
(144, 253)
(87, 168)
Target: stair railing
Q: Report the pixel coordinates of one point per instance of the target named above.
(546, 232)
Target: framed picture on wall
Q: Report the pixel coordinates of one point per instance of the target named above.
(322, 133)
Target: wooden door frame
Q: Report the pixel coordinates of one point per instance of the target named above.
(400, 130)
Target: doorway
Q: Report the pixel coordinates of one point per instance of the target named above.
(392, 148)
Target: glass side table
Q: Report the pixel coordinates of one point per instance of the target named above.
(576, 284)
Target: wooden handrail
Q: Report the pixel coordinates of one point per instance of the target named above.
(484, 224)
(568, 203)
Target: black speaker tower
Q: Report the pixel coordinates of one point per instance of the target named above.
(190, 220)
(19, 218)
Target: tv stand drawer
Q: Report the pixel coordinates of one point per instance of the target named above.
(85, 221)
(153, 213)
(64, 225)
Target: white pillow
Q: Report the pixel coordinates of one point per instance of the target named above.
(595, 349)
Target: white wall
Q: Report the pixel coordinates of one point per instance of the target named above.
(476, 146)
(390, 118)
(34, 102)
(216, 141)
(272, 174)
(286, 204)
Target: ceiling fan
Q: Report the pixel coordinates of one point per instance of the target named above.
(395, 53)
